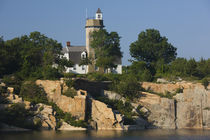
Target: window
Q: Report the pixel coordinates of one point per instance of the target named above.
(83, 55)
(99, 16)
(83, 67)
(74, 68)
(96, 68)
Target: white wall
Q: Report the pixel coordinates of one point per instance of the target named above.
(66, 55)
(117, 70)
(78, 69)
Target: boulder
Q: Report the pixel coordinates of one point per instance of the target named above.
(162, 80)
(76, 106)
(105, 118)
(10, 90)
(46, 115)
(14, 98)
(112, 95)
(66, 126)
(2, 84)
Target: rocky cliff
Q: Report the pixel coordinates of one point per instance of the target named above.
(190, 109)
(102, 116)
(187, 108)
(76, 106)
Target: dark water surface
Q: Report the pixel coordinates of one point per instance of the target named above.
(109, 135)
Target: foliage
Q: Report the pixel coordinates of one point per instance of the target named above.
(187, 69)
(70, 92)
(178, 67)
(41, 108)
(179, 90)
(106, 47)
(63, 63)
(14, 81)
(71, 120)
(86, 61)
(50, 73)
(70, 82)
(69, 75)
(67, 117)
(32, 56)
(128, 86)
(140, 70)
(17, 115)
(96, 77)
(33, 93)
(205, 83)
(166, 94)
(152, 47)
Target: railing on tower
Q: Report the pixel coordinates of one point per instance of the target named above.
(90, 18)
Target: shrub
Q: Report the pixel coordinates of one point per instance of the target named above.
(13, 81)
(67, 117)
(58, 124)
(51, 73)
(205, 82)
(96, 77)
(70, 93)
(41, 108)
(70, 75)
(70, 83)
(145, 76)
(123, 108)
(112, 77)
(128, 87)
(33, 93)
(17, 115)
(179, 90)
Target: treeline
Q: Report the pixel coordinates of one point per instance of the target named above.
(179, 68)
(32, 56)
(154, 57)
(36, 56)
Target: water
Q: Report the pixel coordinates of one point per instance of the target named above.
(108, 135)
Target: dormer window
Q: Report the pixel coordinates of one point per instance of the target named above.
(83, 55)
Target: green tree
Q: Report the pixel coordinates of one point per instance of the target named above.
(178, 67)
(128, 86)
(141, 70)
(86, 61)
(151, 47)
(9, 58)
(191, 67)
(106, 47)
(31, 56)
(203, 68)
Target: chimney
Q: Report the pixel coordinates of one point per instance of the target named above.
(68, 43)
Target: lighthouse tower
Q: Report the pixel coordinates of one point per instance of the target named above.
(93, 24)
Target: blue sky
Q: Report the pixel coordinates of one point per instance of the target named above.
(186, 23)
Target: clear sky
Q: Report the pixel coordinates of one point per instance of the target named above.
(186, 23)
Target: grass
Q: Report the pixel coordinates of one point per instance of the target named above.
(70, 92)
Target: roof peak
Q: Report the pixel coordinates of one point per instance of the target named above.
(99, 10)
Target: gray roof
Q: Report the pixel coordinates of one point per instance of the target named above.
(77, 48)
(64, 50)
(75, 54)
